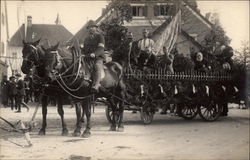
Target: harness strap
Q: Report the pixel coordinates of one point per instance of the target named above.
(75, 96)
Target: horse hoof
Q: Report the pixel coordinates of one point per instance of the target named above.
(112, 128)
(65, 132)
(76, 134)
(120, 129)
(41, 133)
(86, 134)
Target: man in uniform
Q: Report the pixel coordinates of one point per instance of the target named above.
(20, 92)
(4, 85)
(12, 92)
(94, 47)
(147, 57)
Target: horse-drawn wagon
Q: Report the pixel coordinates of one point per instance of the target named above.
(184, 94)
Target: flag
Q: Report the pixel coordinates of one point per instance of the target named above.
(166, 34)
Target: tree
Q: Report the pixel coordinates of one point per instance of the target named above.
(113, 28)
(241, 70)
(217, 33)
(122, 9)
(242, 56)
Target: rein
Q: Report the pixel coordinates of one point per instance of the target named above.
(60, 77)
(75, 96)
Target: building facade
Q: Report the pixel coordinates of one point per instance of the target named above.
(49, 35)
(151, 14)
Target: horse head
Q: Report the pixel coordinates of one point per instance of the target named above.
(30, 56)
(52, 62)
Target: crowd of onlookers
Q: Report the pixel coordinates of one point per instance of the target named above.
(15, 92)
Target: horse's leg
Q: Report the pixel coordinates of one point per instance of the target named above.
(87, 109)
(120, 122)
(121, 107)
(77, 131)
(44, 112)
(60, 111)
(113, 107)
(82, 117)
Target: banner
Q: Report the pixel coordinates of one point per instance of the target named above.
(166, 34)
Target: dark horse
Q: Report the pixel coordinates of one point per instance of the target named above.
(77, 82)
(34, 59)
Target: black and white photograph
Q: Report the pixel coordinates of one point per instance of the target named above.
(124, 80)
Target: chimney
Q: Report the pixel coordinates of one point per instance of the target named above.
(208, 15)
(58, 21)
(29, 21)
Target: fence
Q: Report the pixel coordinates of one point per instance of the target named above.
(190, 75)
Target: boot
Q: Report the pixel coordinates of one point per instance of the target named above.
(97, 78)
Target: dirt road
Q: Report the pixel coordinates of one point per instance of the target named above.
(166, 138)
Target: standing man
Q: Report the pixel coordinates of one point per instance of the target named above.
(94, 47)
(4, 90)
(20, 92)
(12, 92)
(146, 44)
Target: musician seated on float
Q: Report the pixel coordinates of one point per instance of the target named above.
(224, 54)
(146, 57)
(201, 64)
(94, 47)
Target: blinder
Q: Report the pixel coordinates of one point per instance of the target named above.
(58, 59)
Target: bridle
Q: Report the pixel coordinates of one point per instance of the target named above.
(35, 63)
(58, 62)
(35, 53)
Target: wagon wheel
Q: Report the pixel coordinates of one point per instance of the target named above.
(188, 112)
(110, 113)
(211, 112)
(146, 116)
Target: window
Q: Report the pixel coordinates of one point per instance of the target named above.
(164, 10)
(139, 11)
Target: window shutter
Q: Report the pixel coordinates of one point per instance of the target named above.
(145, 11)
(156, 10)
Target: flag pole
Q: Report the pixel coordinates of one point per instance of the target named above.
(6, 20)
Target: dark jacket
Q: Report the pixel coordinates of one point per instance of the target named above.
(12, 88)
(4, 89)
(202, 66)
(20, 88)
(94, 44)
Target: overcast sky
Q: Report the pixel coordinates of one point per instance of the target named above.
(234, 15)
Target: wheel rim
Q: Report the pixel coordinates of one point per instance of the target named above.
(210, 112)
(189, 112)
(146, 116)
(110, 114)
